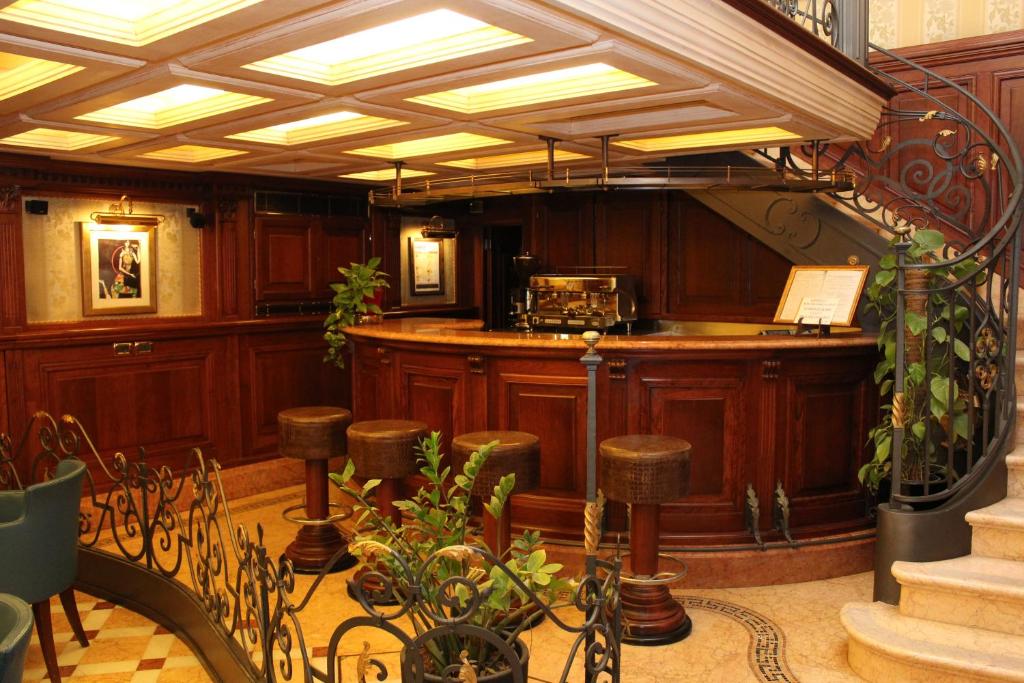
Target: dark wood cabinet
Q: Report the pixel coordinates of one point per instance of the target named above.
(167, 396)
(284, 370)
(297, 257)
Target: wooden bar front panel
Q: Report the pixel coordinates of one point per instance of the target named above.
(754, 418)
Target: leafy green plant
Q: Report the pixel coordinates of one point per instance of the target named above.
(930, 420)
(432, 539)
(352, 298)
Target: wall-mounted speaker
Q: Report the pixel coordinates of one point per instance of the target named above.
(38, 207)
(195, 219)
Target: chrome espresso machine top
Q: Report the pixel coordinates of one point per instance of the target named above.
(590, 301)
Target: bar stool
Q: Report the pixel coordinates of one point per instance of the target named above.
(314, 434)
(644, 471)
(386, 450)
(517, 453)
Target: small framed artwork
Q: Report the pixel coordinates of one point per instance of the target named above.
(426, 265)
(118, 269)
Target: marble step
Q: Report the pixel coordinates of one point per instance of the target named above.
(998, 530)
(886, 646)
(1019, 432)
(981, 592)
(1019, 367)
(1015, 471)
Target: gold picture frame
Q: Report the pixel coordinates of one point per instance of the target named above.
(426, 266)
(118, 269)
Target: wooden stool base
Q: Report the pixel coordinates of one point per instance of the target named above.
(313, 548)
(651, 616)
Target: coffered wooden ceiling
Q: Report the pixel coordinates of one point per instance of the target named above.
(451, 87)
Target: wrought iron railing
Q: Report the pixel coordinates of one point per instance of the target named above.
(946, 185)
(820, 17)
(179, 527)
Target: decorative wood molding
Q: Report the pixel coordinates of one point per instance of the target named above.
(617, 369)
(976, 48)
(384, 355)
(9, 197)
(476, 364)
(770, 369)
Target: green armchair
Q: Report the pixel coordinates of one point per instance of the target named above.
(39, 537)
(15, 632)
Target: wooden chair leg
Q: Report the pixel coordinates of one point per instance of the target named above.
(44, 627)
(67, 599)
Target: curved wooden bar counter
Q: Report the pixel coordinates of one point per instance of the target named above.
(760, 411)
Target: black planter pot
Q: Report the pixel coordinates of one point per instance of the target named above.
(501, 676)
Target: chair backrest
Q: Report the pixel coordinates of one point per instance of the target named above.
(41, 551)
(15, 633)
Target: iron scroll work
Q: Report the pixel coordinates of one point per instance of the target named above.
(179, 527)
(932, 167)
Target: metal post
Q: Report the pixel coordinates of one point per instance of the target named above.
(398, 180)
(899, 414)
(852, 26)
(550, 142)
(591, 359)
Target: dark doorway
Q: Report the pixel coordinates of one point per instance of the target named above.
(501, 243)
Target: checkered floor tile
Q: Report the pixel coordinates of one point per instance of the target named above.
(124, 647)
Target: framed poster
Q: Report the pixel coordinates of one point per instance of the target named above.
(426, 265)
(825, 294)
(118, 269)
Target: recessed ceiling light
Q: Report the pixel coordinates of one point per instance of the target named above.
(192, 154)
(385, 174)
(127, 22)
(19, 73)
(63, 140)
(415, 41)
(536, 157)
(439, 144)
(561, 84)
(317, 128)
(171, 107)
(720, 138)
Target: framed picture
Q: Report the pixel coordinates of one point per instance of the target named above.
(426, 265)
(118, 269)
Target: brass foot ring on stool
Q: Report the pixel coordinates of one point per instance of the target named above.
(317, 544)
(645, 595)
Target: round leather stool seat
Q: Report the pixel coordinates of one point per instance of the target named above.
(385, 449)
(312, 432)
(645, 468)
(517, 453)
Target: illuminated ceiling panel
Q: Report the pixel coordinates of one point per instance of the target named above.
(386, 174)
(62, 140)
(549, 86)
(427, 38)
(127, 22)
(738, 138)
(536, 157)
(19, 73)
(439, 144)
(317, 128)
(173, 106)
(192, 154)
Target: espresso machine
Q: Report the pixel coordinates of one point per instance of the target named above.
(592, 301)
(525, 266)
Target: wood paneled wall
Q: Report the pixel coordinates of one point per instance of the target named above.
(690, 263)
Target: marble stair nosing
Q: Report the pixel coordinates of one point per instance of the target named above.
(911, 649)
(998, 529)
(1015, 471)
(975, 591)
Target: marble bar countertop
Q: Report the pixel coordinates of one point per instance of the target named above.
(687, 336)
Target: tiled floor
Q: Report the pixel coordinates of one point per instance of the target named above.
(124, 647)
(785, 633)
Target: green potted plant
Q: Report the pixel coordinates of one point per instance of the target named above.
(451, 576)
(927, 357)
(357, 296)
